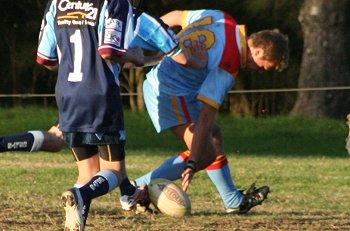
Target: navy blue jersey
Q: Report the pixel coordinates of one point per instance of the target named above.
(73, 33)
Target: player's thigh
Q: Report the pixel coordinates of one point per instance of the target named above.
(185, 133)
(167, 111)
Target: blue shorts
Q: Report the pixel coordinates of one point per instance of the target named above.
(167, 111)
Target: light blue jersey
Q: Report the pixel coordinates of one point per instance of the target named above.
(152, 34)
(174, 93)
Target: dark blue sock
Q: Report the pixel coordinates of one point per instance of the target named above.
(97, 186)
(126, 188)
(20, 142)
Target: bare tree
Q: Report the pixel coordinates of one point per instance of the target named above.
(132, 84)
(326, 58)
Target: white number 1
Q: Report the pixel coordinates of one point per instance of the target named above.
(76, 75)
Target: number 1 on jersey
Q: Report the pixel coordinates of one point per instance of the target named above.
(76, 75)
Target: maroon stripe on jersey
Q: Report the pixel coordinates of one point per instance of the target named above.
(44, 60)
(107, 50)
(184, 108)
(230, 60)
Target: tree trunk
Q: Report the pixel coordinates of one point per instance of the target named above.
(326, 58)
(239, 103)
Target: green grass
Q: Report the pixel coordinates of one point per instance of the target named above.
(276, 136)
(303, 161)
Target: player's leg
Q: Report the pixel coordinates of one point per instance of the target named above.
(173, 167)
(220, 174)
(75, 204)
(113, 159)
(32, 141)
(185, 134)
(165, 112)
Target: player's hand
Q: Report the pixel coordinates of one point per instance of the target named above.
(199, 51)
(128, 65)
(187, 176)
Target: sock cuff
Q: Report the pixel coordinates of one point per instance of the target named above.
(111, 178)
(219, 162)
(185, 155)
(38, 140)
(78, 185)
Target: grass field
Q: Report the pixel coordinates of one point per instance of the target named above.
(302, 160)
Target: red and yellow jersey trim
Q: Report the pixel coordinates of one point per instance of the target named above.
(231, 58)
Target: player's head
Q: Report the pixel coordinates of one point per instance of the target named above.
(269, 49)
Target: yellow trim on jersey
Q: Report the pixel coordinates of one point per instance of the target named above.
(243, 35)
(184, 18)
(176, 109)
(208, 101)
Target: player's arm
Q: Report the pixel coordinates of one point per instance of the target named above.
(173, 18)
(52, 68)
(47, 49)
(201, 142)
(149, 60)
(132, 55)
(113, 37)
(198, 58)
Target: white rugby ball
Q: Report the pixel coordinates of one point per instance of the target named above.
(169, 198)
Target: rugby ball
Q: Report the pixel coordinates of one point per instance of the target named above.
(169, 198)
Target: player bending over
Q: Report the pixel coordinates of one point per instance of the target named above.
(186, 100)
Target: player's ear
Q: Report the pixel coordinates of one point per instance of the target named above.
(260, 52)
(257, 52)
